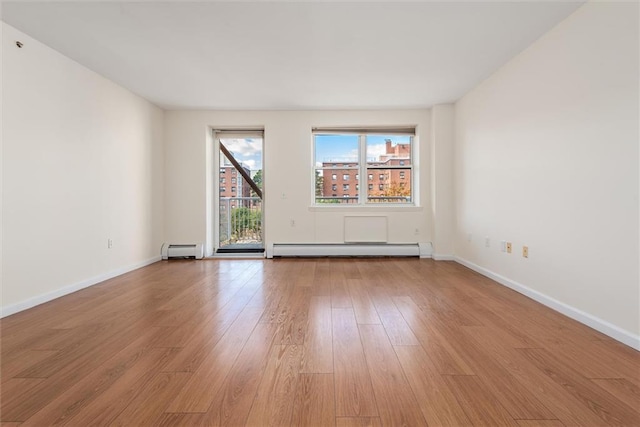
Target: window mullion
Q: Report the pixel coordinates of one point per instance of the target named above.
(364, 188)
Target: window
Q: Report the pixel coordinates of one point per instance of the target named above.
(233, 189)
(233, 180)
(222, 189)
(334, 187)
(223, 180)
(385, 154)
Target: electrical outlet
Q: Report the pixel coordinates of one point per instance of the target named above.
(417, 231)
(292, 222)
(109, 243)
(525, 251)
(508, 247)
(487, 242)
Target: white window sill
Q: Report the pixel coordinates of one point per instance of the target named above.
(367, 208)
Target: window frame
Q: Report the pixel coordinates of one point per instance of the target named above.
(363, 168)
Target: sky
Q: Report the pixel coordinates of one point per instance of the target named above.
(247, 151)
(345, 147)
(328, 148)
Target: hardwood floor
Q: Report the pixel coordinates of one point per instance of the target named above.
(309, 342)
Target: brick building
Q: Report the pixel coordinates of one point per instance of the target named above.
(341, 182)
(232, 184)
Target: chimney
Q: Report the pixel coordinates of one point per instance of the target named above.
(389, 149)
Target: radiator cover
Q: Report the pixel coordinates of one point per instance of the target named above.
(190, 250)
(345, 249)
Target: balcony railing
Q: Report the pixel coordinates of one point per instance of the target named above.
(373, 199)
(240, 220)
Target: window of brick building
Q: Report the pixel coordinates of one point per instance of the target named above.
(385, 153)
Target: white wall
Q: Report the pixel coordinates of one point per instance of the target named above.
(82, 163)
(546, 155)
(287, 170)
(442, 194)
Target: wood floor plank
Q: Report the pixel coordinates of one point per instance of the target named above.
(107, 406)
(623, 389)
(206, 382)
(71, 379)
(134, 358)
(515, 397)
(232, 405)
(340, 297)
(540, 423)
(273, 403)
(292, 329)
(27, 359)
(197, 340)
(317, 350)
(603, 358)
(205, 327)
(396, 402)
(322, 279)
(601, 403)
(358, 422)
(363, 307)
(344, 342)
(15, 391)
(314, 403)
(447, 360)
(394, 323)
(354, 392)
(183, 419)
(147, 408)
(476, 403)
(438, 404)
(560, 401)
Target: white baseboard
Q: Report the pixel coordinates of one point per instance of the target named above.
(443, 257)
(41, 299)
(596, 323)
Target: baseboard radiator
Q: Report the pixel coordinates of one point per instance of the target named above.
(364, 235)
(191, 250)
(345, 249)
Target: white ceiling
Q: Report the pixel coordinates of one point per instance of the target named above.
(290, 55)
